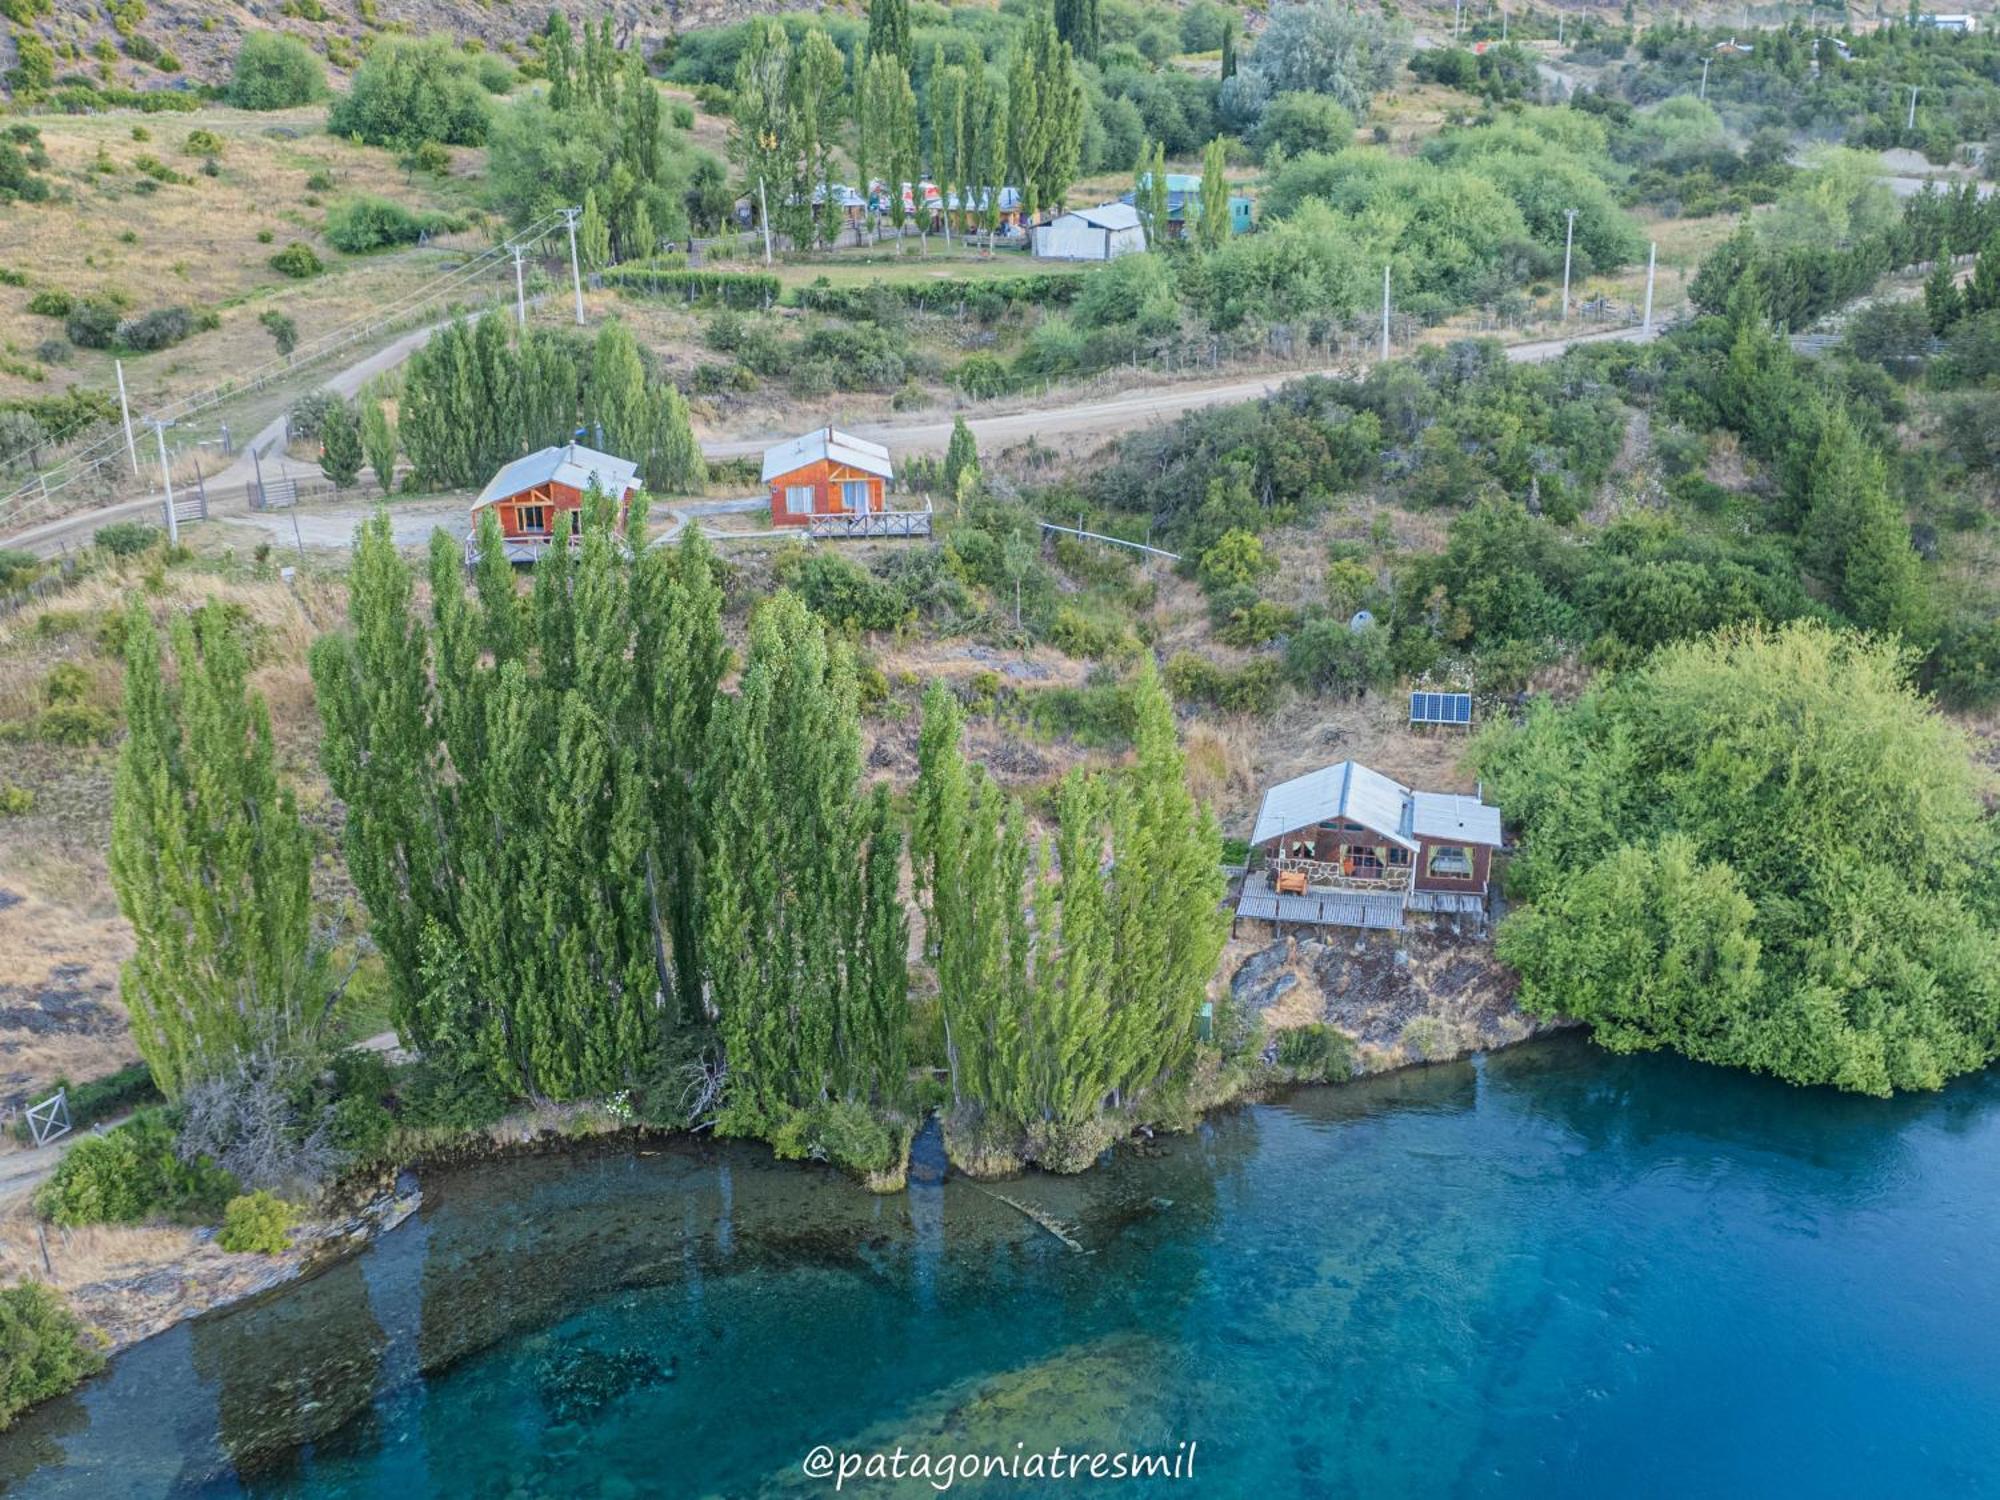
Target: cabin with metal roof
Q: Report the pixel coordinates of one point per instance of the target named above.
(830, 483)
(1346, 846)
(1184, 206)
(1104, 232)
(531, 494)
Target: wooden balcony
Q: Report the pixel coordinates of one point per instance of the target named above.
(1325, 875)
(870, 523)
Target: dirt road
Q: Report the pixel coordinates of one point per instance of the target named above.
(1100, 419)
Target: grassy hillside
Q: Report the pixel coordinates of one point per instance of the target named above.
(115, 230)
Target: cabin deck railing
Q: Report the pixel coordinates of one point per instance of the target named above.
(1325, 873)
(871, 523)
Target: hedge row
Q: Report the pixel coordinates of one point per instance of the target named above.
(1041, 289)
(748, 291)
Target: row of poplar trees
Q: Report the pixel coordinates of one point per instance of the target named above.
(584, 860)
(976, 132)
(476, 397)
(1071, 963)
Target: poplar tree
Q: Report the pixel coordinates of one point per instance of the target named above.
(340, 445)
(378, 439)
(1149, 192)
(673, 464)
(593, 235)
(889, 31)
(1045, 114)
(758, 108)
(986, 117)
(1076, 23)
(792, 928)
(815, 91)
(947, 120)
(960, 454)
(621, 412)
(522, 817)
(1942, 304)
(209, 859)
(1214, 228)
(1228, 48)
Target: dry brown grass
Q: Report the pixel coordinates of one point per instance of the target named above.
(197, 244)
(79, 1257)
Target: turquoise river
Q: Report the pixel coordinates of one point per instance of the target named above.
(1548, 1272)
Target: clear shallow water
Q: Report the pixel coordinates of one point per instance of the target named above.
(1551, 1272)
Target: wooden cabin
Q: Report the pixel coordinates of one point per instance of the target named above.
(826, 472)
(531, 494)
(1347, 846)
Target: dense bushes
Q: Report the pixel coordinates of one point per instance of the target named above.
(1857, 950)
(360, 224)
(130, 1174)
(44, 1351)
(276, 71)
(408, 92)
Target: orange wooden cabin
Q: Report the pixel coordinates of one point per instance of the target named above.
(826, 473)
(531, 494)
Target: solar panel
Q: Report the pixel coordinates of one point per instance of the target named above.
(1441, 708)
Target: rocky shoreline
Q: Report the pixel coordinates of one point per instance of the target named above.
(1425, 995)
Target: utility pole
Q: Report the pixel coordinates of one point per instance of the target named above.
(1704, 77)
(520, 288)
(166, 480)
(1652, 259)
(1560, 18)
(125, 411)
(1385, 310)
(570, 216)
(1569, 241)
(1457, 17)
(1912, 124)
(1503, 23)
(764, 218)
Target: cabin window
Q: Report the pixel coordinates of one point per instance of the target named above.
(1398, 855)
(798, 499)
(854, 494)
(1453, 860)
(531, 518)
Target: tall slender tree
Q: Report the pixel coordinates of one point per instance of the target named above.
(620, 409)
(889, 31)
(209, 858)
(378, 440)
(1214, 226)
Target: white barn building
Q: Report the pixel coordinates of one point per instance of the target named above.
(1101, 233)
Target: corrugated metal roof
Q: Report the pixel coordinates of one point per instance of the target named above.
(826, 443)
(1351, 790)
(572, 464)
(1109, 216)
(1347, 789)
(1446, 815)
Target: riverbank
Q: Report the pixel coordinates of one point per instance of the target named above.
(1429, 994)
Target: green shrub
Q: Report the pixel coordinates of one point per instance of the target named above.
(297, 261)
(358, 225)
(161, 328)
(126, 538)
(408, 92)
(1075, 633)
(276, 71)
(129, 1174)
(51, 302)
(444, 1092)
(18, 567)
(1316, 1051)
(92, 323)
(202, 143)
(981, 376)
(76, 725)
(1251, 689)
(1325, 656)
(258, 1223)
(44, 1350)
(843, 1133)
(15, 801)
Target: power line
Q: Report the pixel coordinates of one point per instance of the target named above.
(15, 506)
